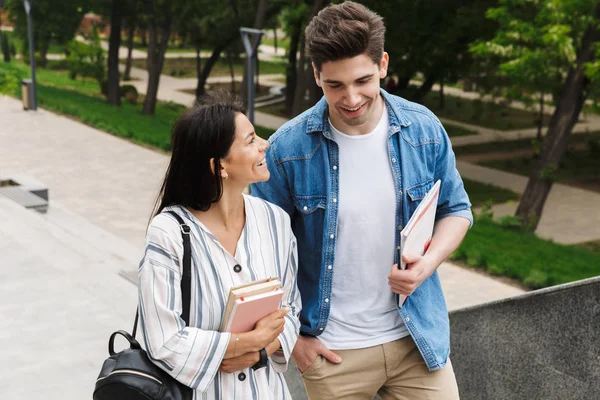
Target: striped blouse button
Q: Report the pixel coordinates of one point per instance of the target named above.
(242, 376)
(237, 268)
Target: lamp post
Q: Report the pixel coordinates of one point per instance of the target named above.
(251, 38)
(28, 4)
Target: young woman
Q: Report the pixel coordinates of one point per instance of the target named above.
(235, 239)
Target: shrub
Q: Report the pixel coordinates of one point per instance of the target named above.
(130, 93)
(86, 59)
(9, 81)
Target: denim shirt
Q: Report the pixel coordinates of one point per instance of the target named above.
(303, 161)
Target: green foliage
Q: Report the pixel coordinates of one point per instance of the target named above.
(130, 93)
(481, 193)
(53, 22)
(432, 36)
(535, 44)
(525, 257)
(86, 59)
(9, 81)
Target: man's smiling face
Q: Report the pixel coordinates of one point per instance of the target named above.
(351, 88)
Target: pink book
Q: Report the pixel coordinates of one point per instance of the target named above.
(247, 311)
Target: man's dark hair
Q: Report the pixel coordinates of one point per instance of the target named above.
(204, 131)
(344, 31)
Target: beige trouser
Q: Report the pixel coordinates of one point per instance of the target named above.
(392, 370)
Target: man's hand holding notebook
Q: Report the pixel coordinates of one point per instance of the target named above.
(417, 234)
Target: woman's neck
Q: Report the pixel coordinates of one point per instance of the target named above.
(228, 212)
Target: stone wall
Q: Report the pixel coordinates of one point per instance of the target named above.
(544, 344)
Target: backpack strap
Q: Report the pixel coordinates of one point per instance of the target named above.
(186, 278)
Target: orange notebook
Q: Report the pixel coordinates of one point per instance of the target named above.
(248, 310)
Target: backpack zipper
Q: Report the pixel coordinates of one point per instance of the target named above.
(130, 372)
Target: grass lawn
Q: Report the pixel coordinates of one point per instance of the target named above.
(186, 67)
(82, 100)
(533, 261)
(455, 130)
(53, 49)
(482, 193)
(477, 112)
(578, 167)
(505, 146)
(281, 42)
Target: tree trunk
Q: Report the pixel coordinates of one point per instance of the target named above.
(128, 62)
(231, 70)
(563, 119)
(275, 39)
(442, 102)
(156, 58)
(305, 72)
(540, 119)
(208, 65)
(114, 42)
(425, 88)
(259, 21)
(44, 46)
(291, 69)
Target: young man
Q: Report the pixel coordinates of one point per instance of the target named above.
(350, 172)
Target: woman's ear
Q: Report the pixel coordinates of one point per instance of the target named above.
(223, 173)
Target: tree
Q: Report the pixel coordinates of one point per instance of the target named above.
(159, 17)
(568, 28)
(433, 40)
(5, 46)
(52, 23)
(294, 19)
(114, 43)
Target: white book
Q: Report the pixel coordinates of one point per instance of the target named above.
(416, 235)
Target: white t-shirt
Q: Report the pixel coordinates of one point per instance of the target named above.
(363, 307)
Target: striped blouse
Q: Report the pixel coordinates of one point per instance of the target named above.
(192, 355)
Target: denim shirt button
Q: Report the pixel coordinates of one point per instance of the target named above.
(326, 300)
(329, 267)
(305, 208)
(320, 329)
(400, 192)
(393, 160)
(331, 236)
(335, 167)
(335, 200)
(407, 319)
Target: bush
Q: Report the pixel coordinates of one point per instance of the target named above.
(86, 59)
(129, 93)
(9, 81)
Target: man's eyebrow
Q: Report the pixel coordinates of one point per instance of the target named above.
(358, 79)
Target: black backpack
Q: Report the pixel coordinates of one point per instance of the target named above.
(129, 374)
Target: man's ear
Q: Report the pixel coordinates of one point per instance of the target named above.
(383, 65)
(317, 75)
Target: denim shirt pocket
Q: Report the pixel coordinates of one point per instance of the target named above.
(309, 219)
(416, 193)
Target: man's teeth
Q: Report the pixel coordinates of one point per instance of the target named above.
(352, 109)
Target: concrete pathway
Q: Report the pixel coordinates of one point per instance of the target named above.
(64, 286)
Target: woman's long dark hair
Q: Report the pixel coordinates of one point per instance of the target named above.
(204, 131)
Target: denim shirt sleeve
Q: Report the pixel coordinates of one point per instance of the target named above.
(453, 200)
(276, 189)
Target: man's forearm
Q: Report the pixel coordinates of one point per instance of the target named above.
(447, 236)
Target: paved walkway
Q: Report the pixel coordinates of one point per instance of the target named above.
(64, 289)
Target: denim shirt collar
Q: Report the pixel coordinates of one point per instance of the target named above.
(318, 120)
